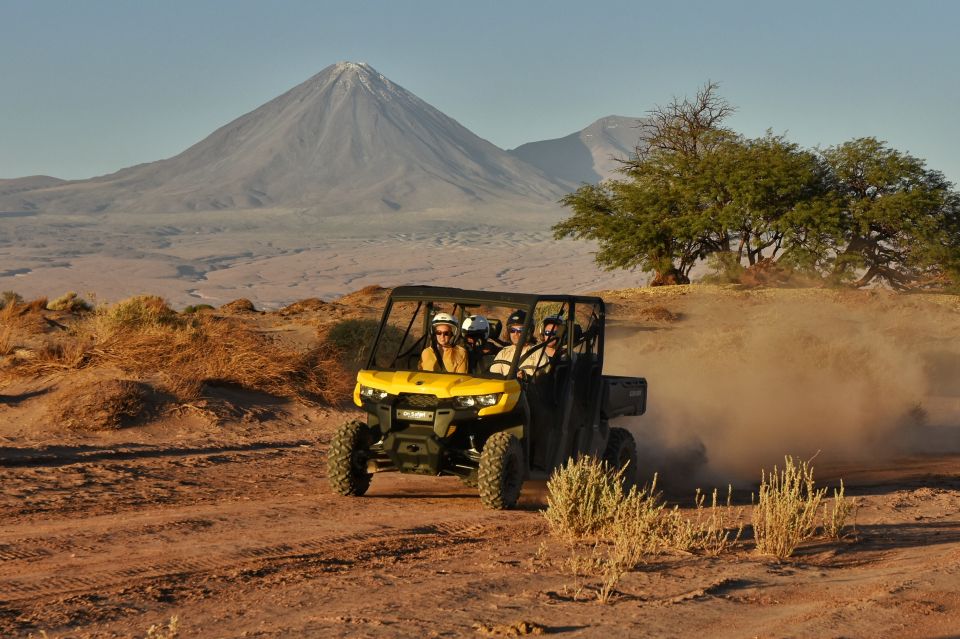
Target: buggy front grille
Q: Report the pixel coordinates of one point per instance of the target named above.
(418, 400)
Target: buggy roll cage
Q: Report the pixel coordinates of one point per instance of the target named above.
(461, 299)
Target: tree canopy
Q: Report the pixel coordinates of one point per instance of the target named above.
(855, 213)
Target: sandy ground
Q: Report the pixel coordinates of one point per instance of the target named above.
(219, 513)
(273, 261)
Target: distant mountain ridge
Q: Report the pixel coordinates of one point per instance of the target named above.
(346, 141)
(588, 155)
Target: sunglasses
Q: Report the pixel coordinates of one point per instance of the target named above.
(439, 333)
(549, 332)
(516, 330)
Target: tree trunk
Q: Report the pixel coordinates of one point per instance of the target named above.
(670, 277)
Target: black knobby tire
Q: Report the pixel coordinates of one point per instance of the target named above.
(621, 452)
(347, 459)
(500, 476)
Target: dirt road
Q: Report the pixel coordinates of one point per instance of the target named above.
(245, 540)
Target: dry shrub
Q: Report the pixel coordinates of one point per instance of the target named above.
(197, 308)
(170, 630)
(711, 530)
(26, 317)
(212, 350)
(143, 336)
(660, 314)
(371, 289)
(353, 338)
(241, 305)
(8, 297)
(100, 404)
(786, 509)
(308, 305)
(138, 313)
(583, 498)
(835, 518)
(586, 500)
(7, 344)
(71, 303)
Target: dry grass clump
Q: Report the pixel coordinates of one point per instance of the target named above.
(242, 305)
(308, 305)
(835, 518)
(583, 498)
(104, 404)
(170, 630)
(71, 303)
(353, 338)
(197, 308)
(144, 337)
(787, 509)
(25, 317)
(138, 313)
(586, 501)
(8, 297)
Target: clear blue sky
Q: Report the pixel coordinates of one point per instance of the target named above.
(90, 87)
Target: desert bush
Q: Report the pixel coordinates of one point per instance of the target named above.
(353, 338)
(583, 498)
(71, 303)
(144, 337)
(786, 509)
(137, 313)
(725, 268)
(104, 404)
(586, 500)
(835, 518)
(170, 630)
(10, 297)
(197, 308)
(241, 305)
(25, 318)
(213, 350)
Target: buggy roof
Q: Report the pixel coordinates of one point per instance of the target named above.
(447, 294)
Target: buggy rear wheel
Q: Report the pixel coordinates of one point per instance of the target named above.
(621, 454)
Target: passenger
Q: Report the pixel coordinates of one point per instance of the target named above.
(538, 363)
(443, 355)
(480, 351)
(503, 359)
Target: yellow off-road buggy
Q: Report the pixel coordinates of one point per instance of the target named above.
(493, 430)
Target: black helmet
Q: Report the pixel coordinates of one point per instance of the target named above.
(517, 317)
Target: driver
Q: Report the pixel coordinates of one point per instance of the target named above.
(443, 355)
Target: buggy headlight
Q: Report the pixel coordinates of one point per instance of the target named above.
(476, 401)
(373, 393)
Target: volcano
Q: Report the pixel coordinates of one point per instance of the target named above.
(347, 140)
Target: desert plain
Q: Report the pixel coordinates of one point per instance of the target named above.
(216, 510)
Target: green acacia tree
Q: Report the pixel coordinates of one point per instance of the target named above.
(655, 218)
(759, 187)
(855, 214)
(898, 222)
(695, 188)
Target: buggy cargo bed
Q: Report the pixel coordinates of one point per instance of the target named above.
(623, 396)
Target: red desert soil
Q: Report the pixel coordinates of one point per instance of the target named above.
(218, 512)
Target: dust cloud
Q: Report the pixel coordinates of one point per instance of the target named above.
(745, 378)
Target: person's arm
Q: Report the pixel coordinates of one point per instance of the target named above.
(502, 361)
(428, 361)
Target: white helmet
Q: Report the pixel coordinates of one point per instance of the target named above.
(445, 318)
(476, 326)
